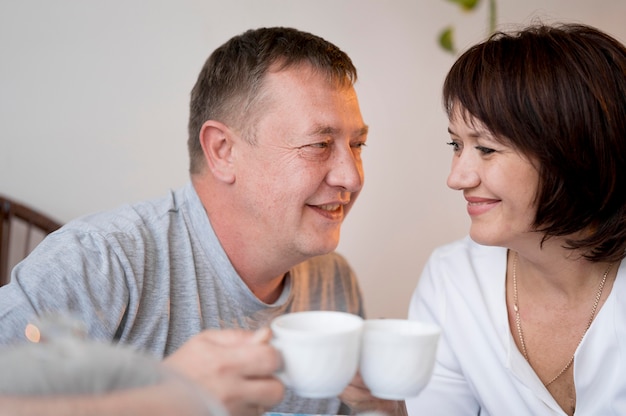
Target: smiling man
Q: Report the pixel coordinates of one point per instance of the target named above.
(275, 142)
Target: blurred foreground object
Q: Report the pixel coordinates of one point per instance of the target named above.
(60, 361)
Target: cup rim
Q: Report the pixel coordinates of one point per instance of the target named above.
(280, 323)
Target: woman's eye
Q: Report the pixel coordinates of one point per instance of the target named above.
(484, 150)
(455, 146)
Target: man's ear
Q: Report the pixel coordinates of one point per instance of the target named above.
(217, 144)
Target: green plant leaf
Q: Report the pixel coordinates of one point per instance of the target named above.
(446, 39)
(466, 5)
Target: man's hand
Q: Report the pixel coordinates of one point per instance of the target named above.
(235, 367)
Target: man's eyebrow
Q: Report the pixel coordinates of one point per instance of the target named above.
(332, 131)
(363, 131)
(325, 130)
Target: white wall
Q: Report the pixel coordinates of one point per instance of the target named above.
(93, 107)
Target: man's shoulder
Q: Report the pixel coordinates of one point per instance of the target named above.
(129, 216)
(150, 222)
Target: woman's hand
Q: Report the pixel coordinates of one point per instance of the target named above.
(358, 397)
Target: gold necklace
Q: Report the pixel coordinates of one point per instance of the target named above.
(518, 322)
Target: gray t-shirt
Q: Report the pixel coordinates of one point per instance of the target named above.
(153, 274)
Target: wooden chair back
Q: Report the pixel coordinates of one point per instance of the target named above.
(21, 229)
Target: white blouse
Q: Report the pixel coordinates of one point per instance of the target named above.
(479, 369)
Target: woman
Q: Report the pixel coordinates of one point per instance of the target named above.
(533, 303)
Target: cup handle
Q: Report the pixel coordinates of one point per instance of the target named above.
(280, 373)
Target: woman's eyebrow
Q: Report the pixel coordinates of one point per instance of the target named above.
(473, 133)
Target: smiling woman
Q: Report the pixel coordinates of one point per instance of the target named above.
(536, 121)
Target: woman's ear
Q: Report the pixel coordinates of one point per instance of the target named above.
(217, 145)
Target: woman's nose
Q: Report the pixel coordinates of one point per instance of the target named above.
(463, 173)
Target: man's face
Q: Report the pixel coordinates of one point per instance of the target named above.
(296, 184)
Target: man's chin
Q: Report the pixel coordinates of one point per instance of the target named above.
(323, 248)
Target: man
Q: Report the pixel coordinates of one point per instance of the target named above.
(275, 141)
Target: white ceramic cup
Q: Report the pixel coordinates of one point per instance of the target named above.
(320, 351)
(398, 356)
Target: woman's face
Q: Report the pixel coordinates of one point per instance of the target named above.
(498, 183)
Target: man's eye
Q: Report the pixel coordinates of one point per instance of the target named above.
(321, 145)
(484, 150)
(358, 146)
(315, 151)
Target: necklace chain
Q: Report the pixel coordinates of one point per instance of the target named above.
(518, 321)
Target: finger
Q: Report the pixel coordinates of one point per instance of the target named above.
(266, 393)
(227, 337)
(253, 397)
(257, 360)
(358, 381)
(261, 336)
(357, 396)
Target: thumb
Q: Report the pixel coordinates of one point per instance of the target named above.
(261, 336)
(234, 337)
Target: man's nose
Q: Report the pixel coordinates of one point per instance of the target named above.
(346, 170)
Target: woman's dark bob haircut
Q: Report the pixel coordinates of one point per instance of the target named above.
(557, 94)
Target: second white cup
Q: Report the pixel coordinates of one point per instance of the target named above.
(398, 357)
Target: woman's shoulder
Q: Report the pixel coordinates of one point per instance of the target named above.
(465, 257)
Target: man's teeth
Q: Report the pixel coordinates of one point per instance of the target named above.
(329, 207)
